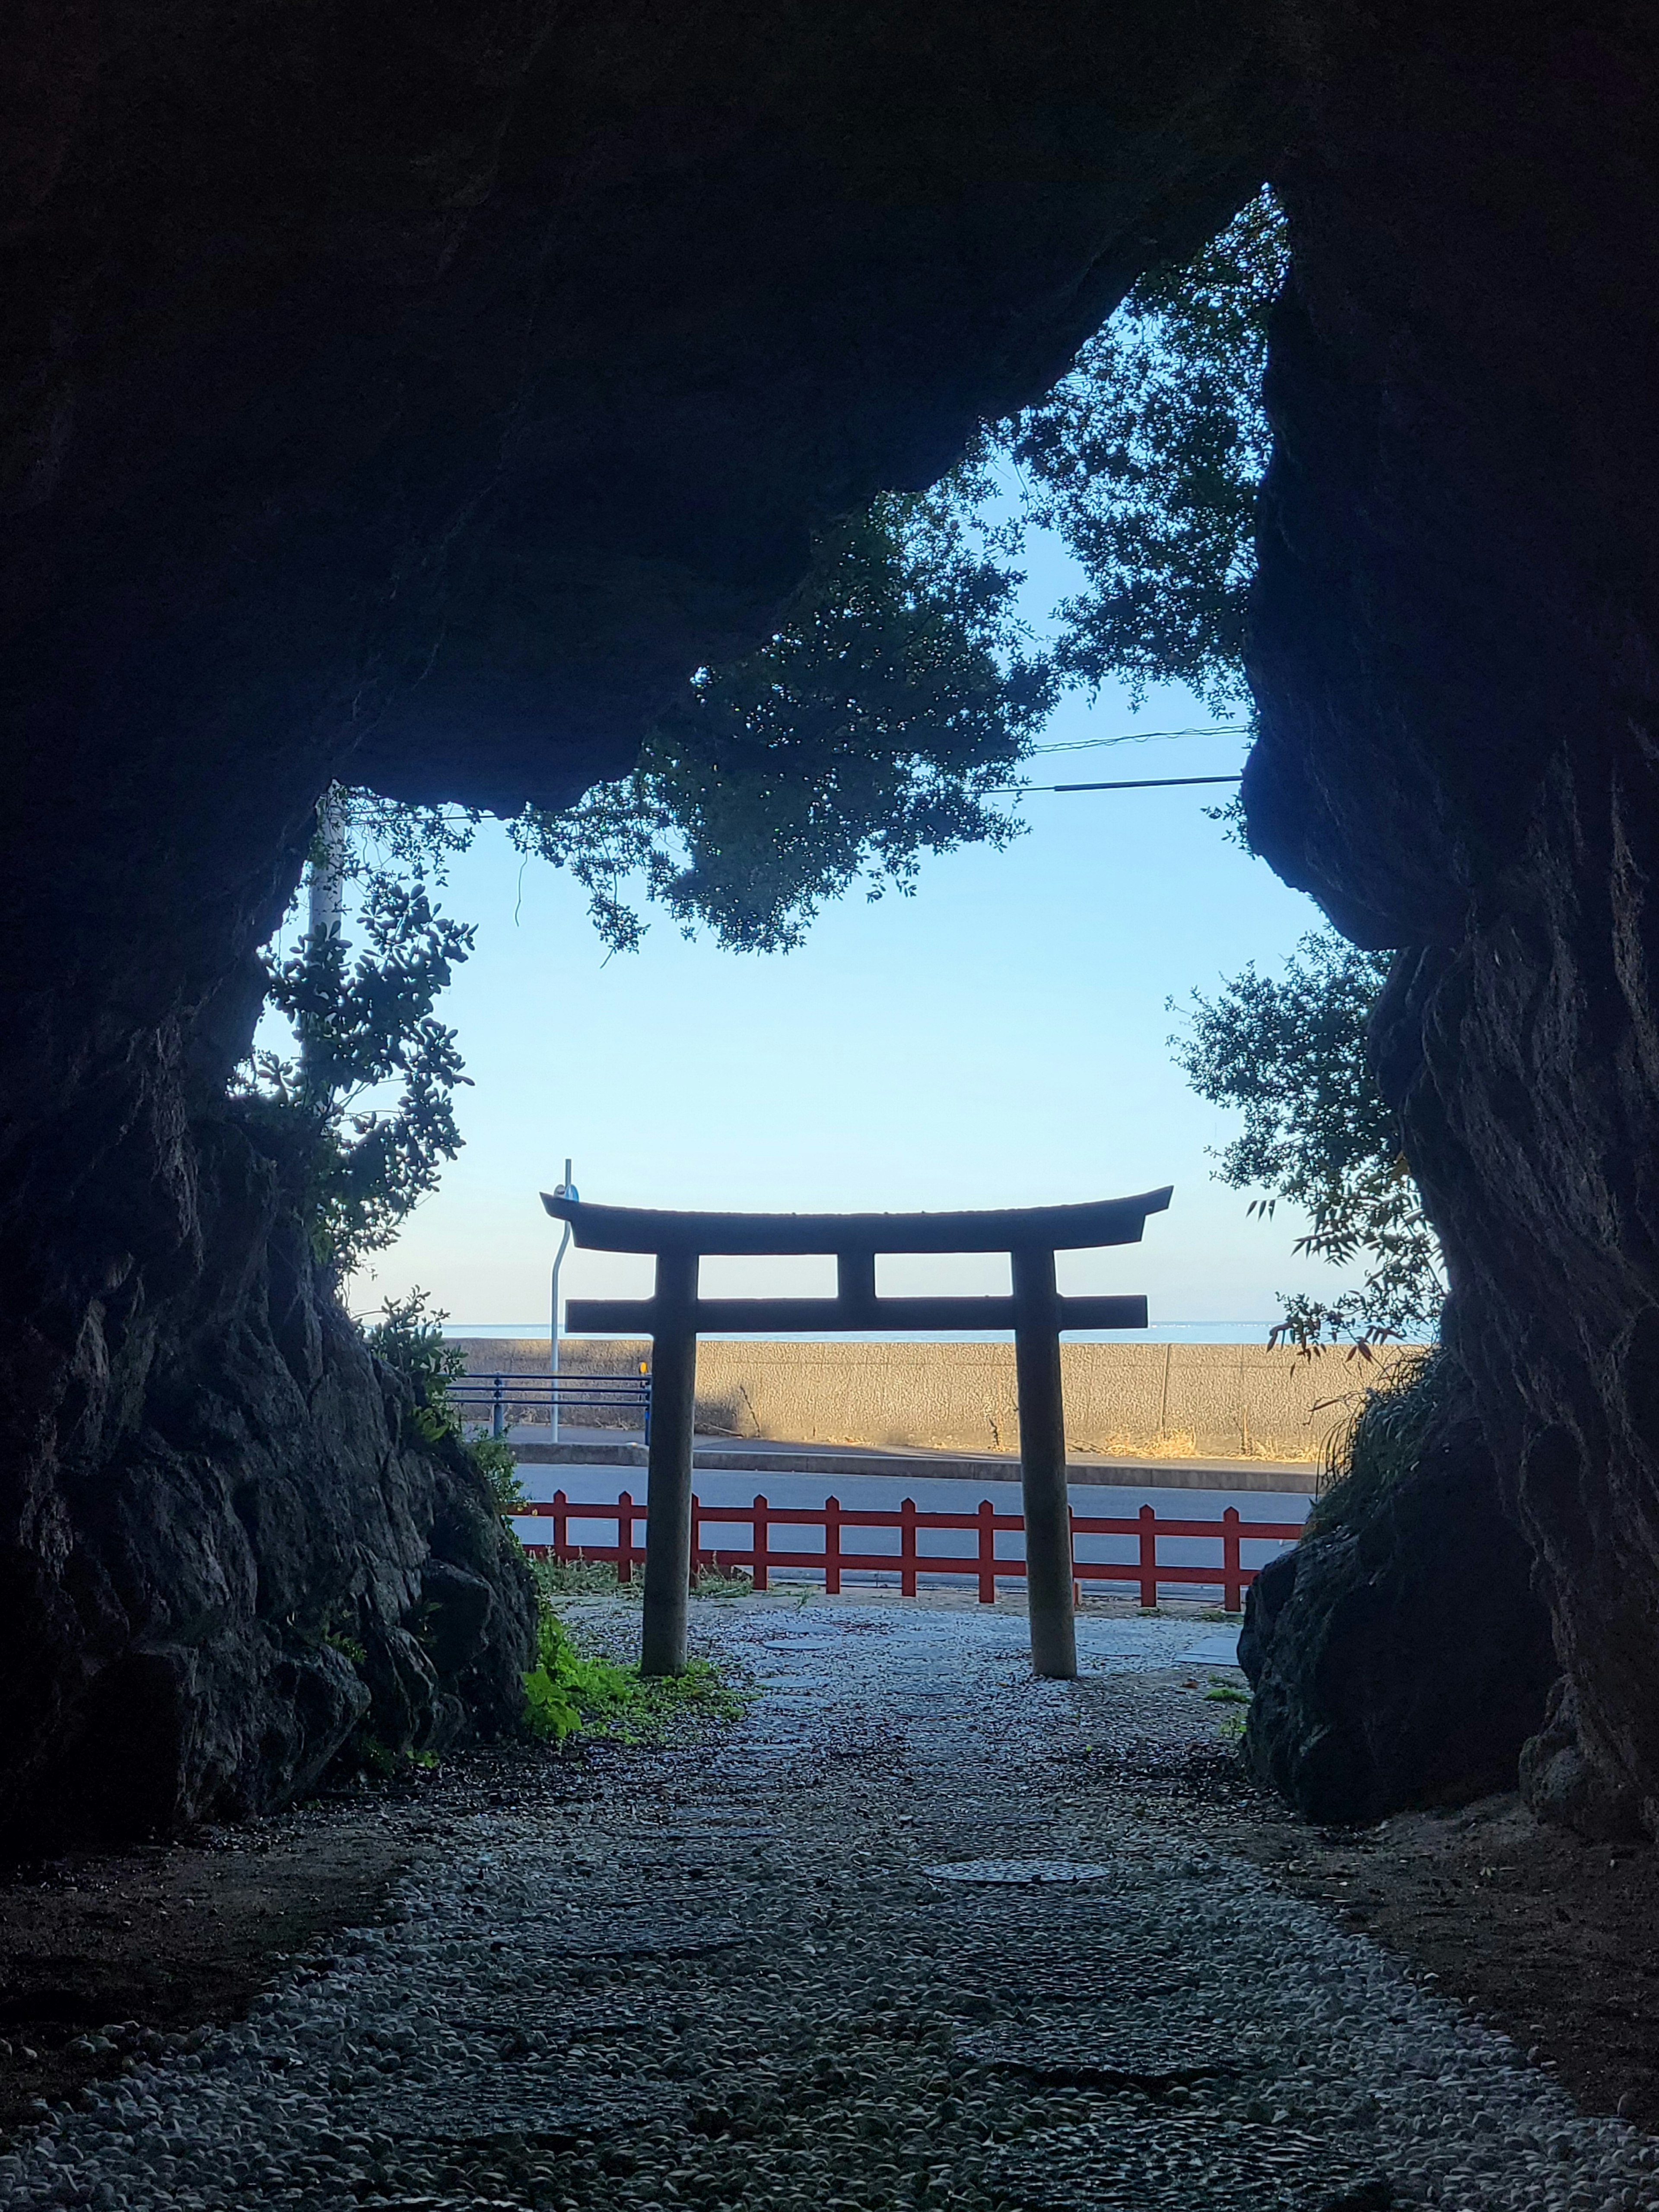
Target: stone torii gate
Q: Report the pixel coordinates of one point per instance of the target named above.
(1036, 1313)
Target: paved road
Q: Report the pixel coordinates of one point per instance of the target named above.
(603, 1484)
(909, 1462)
(920, 1933)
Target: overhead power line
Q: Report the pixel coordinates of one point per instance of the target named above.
(1140, 737)
(1137, 783)
(1143, 783)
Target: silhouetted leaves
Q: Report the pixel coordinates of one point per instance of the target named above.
(1291, 1053)
(361, 1024)
(1146, 460)
(880, 722)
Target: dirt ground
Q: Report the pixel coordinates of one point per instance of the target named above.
(102, 1954)
(1555, 1942)
(1552, 1940)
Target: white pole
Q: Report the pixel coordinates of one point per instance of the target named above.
(566, 1189)
(326, 880)
(326, 885)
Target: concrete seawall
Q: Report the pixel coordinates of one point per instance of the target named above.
(1146, 1400)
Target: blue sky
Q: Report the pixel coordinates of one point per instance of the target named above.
(998, 1039)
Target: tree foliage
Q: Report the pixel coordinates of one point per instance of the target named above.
(886, 718)
(409, 1337)
(893, 705)
(1146, 460)
(364, 1026)
(1290, 1054)
(880, 722)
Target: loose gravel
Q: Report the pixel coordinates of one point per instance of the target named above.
(892, 1942)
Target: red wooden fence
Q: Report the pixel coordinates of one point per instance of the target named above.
(1146, 1569)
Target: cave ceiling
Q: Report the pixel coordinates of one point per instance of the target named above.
(419, 394)
(448, 383)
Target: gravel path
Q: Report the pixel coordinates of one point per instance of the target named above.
(898, 1939)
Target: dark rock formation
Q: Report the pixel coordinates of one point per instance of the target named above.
(418, 393)
(239, 1560)
(1400, 1655)
(1457, 659)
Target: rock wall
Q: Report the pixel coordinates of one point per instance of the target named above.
(417, 394)
(1456, 656)
(234, 1561)
(1400, 1655)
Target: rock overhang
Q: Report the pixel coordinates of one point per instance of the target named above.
(507, 372)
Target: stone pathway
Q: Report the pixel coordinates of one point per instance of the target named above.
(894, 1942)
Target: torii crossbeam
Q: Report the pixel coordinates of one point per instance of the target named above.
(1036, 1313)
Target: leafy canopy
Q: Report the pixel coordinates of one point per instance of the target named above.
(885, 719)
(901, 692)
(363, 1024)
(1289, 1053)
(1146, 460)
(881, 721)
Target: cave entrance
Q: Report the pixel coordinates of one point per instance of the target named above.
(675, 1314)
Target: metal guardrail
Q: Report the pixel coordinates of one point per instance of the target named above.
(1146, 1571)
(503, 1393)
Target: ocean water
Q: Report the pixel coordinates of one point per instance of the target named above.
(1169, 1331)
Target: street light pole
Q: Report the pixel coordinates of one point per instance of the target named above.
(325, 885)
(566, 1189)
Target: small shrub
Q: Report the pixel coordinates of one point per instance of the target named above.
(383, 1762)
(1384, 1440)
(409, 1337)
(493, 1456)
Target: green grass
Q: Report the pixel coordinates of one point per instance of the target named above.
(579, 1578)
(571, 1693)
(1383, 1442)
(597, 1578)
(723, 1581)
(1221, 1692)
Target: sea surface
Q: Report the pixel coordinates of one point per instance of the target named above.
(1169, 1331)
